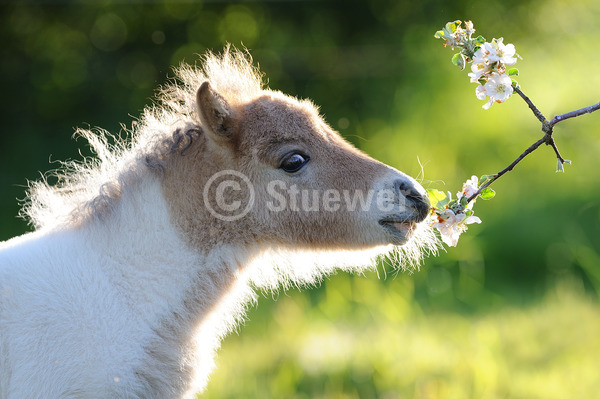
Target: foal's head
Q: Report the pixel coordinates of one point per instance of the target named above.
(269, 170)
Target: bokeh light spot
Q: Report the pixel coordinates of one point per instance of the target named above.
(109, 32)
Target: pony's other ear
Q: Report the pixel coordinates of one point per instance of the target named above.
(215, 114)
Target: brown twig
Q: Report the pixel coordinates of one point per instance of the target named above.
(573, 114)
(555, 148)
(547, 128)
(532, 106)
(510, 167)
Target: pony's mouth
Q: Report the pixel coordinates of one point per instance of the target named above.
(401, 230)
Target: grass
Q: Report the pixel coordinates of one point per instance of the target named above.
(335, 347)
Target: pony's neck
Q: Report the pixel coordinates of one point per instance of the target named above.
(182, 301)
(150, 261)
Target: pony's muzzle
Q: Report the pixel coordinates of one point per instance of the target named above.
(415, 197)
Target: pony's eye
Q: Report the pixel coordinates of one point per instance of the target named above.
(294, 162)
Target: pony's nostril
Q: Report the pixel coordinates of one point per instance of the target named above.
(422, 207)
(417, 201)
(406, 189)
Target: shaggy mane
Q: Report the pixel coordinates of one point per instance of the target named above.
(89, 188)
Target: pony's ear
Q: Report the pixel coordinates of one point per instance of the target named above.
(215, 114)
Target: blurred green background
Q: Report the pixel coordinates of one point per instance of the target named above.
(512, 312)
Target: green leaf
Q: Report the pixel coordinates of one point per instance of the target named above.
(437, 198)
(479, 40)
(455, 206)
(451, 26)
(484, 179)
(513, 72)
(439, 34)
(487, 193)
(459, 60)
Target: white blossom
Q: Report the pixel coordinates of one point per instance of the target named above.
(481, 94)
(478, 70)
(451, 218)
(499, 52)
(469, 187)
(451, 226)
(480, 57)
(469, 28)
(489, 69)
(498, 88)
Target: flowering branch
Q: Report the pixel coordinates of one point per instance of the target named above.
(547, 128)
(548, 125)
(573, 114)
(496, 83)
(510, 167)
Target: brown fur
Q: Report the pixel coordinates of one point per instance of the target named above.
(251, 138)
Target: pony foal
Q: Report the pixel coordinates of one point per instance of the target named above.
(143, 259)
